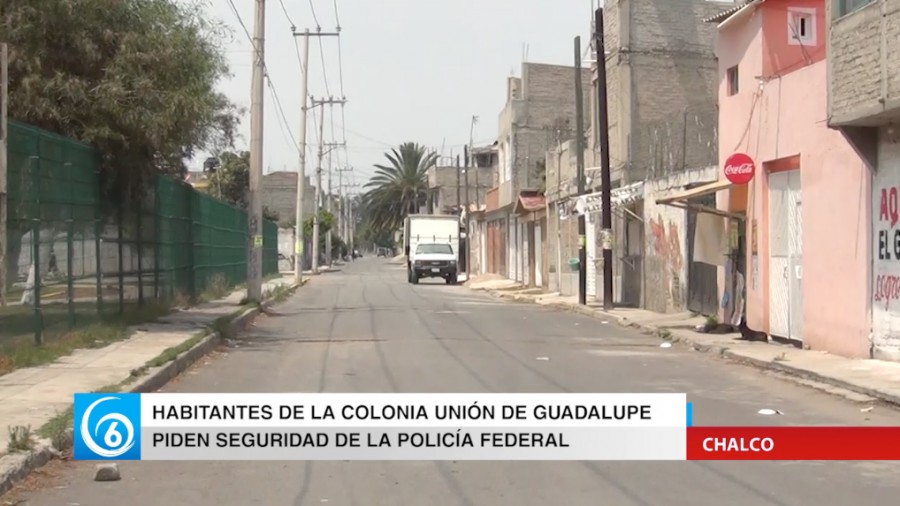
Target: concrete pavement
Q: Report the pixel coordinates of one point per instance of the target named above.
(878, 379)
(365, 329)
(31, 397)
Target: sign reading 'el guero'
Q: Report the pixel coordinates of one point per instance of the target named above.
(739, 168)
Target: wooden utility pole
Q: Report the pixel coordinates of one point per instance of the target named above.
(605, 179)
(4, 99)
(579, 152)
(255, 224)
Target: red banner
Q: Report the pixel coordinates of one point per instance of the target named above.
(793, 443)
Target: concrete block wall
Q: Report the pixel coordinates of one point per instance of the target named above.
(280, 194)
(444, 180)
(665, 235)
(859, 63)
(660, 64)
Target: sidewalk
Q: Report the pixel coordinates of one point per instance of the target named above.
(34, 396)
(854, 378)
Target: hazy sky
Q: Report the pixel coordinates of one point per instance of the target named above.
(413, 70)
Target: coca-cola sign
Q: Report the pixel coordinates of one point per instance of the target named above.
(739, 168)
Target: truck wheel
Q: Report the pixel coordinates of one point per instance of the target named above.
(414, 279)
(451, 279)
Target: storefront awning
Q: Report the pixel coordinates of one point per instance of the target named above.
(683, 199)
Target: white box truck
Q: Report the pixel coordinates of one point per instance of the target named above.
(431, 244)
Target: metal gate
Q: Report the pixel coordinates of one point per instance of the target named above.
(703, 282)
(785, 256)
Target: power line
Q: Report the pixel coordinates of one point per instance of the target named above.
(283, 122)
(313, 9)
(337, 18)
(287, 14)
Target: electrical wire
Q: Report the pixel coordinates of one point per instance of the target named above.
(269, 82)
(313, 9)
(287, 15)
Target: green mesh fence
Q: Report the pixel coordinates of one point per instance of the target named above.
(74, 259)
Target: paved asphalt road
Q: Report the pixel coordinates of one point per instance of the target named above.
(366, 330)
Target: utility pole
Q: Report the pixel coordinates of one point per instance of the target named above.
(605, 179)
(471, 162)
(468, 156)
(579, 152)
(301, 173)
(342, 207)
(254, 258)
(458, 186)
(4, 99)
(321, 155)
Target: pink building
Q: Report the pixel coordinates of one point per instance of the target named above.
(806, 231)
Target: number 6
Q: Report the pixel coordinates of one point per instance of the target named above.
(113, 438)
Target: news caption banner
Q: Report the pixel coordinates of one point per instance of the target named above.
(442, 427)
(164, 426)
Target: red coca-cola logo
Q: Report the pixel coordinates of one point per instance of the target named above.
(739, 168)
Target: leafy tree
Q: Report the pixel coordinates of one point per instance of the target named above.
(326, 223)
(231, 182)
(399, 188)
(135, 78)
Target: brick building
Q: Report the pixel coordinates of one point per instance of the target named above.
(280, 195)
(540, 110)
(661, 78)
(863, 44)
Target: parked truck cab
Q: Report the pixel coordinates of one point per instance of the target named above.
(433, 260)
(430, 245)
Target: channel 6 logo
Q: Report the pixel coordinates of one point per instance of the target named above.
(107, 427)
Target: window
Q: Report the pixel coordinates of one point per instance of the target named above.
(732, 81)
(801, 29)
(434, 248)
(848, 6)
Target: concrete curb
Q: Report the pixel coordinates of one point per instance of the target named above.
(715, 349)
(15, 467)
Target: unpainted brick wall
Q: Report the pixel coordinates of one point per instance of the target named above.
(280, 195)
(660, 66)
(549, 114)
(856, 61)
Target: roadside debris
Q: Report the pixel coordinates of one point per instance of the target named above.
(867, 410)
(665, 345)
(545, 359)
(768, 412)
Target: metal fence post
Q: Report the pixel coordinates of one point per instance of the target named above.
(156, 238)
(98, 246)
(121, 248)
(140, 251)
(192, 262)
(70, 250)
(36, 246)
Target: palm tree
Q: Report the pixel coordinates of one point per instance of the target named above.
(398, 189)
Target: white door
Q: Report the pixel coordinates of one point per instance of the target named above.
(483, 247)
(523, 253)
(785, 256)
(591, 248)
(538, 255)
(513, 249)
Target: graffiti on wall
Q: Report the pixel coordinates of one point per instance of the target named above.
(885, 263)
(886, 288)
(665, 243)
